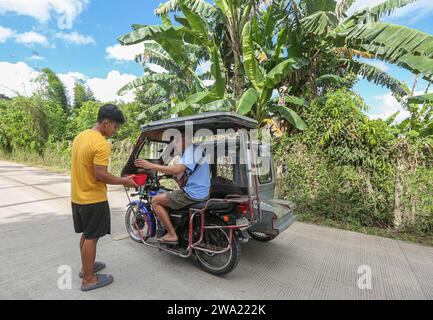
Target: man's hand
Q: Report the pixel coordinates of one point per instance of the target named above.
(144, 164)
(170, 170)
(129, 182)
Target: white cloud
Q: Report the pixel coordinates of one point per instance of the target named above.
(5, 34)
(31, 37)
(105, 89)
(19, 79)
(69, 79)
(204, 67)
(75, 38)
(379, 64)
(36, 58)
(124, 53)
(415, 11)
(64, 11)
(156, 68)
(386, 106)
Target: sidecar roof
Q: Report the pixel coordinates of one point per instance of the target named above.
(209, 120)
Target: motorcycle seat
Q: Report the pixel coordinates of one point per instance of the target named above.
(212, 206)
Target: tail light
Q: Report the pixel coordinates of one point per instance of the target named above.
(244, 208)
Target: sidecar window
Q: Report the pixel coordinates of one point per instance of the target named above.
(264, 165)
(224, 171)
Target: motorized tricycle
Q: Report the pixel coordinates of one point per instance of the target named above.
(241, 203)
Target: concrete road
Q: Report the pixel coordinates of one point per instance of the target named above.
(305, 262)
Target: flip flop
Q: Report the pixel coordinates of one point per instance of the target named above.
(98, 266)
(103, 280)
(161, 240)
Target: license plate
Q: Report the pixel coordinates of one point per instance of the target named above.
(242, 222)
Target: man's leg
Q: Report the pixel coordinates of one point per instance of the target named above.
(82, 239)
(159, 204)
(88, 256)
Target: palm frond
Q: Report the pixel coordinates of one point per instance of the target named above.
(155, 33)
(394, 40)
(388, 7)
(219, 105)
(319, 23)
(201, 7)
(342, 7)
(426, 98)
(400, 45)
(379, 77)
(153, 109)
(148, 78)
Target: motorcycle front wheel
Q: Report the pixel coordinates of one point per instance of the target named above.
(136, 225)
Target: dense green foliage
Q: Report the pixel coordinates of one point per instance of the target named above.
(24, 124)
(82, 94)
(354, 170)
(39, 129)
(289, 64)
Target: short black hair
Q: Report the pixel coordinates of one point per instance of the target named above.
(111, 112)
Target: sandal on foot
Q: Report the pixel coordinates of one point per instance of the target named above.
(171, 242)
(103, 280)
(98, 266)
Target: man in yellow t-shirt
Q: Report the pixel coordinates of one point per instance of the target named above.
(89, 179)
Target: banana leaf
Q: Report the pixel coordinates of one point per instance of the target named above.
(426, 98)
(148, 78)
(292, 117)
(250, 62)
(247, 101)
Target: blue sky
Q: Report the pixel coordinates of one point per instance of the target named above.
(77, 39)
(101, 20)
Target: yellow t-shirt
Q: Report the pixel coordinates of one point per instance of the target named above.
(89, 148)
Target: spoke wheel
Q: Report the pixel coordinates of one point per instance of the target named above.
(218, 263)
(136, 225)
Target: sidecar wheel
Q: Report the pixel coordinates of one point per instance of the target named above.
(258, 236)
(223, 263)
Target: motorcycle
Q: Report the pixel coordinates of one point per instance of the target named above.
(240, 207)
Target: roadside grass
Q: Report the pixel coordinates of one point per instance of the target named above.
(50, 161)
(408, 235)
(59, 163)
(54, 162)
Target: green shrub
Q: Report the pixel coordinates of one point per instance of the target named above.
(24, 125)
(84, 119)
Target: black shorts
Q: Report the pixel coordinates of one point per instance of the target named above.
(93, 220)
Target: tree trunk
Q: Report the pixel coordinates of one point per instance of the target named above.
(398, 193)
(237, 79)
(313, 78)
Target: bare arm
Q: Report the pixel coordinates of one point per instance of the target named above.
(171, 170)
(101, 174)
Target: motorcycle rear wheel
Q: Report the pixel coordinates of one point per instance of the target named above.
(222, 263)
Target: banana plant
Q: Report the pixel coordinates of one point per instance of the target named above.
(321, 32)
(180, 49)
(420, 121)
(257, 99)
(228, 19)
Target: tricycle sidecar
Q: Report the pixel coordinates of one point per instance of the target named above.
(241, 203)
